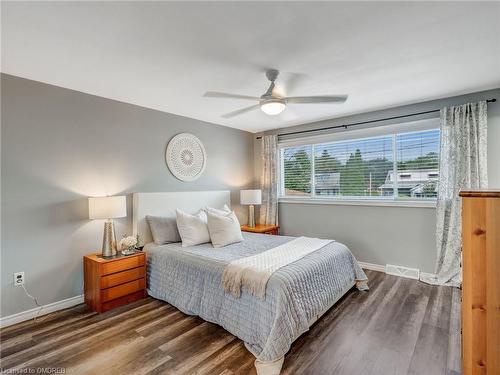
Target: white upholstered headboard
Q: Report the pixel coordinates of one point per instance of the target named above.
(165, 204)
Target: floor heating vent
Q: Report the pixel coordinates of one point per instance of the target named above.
(411, 273)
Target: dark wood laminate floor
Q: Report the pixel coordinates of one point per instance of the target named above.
(400, 326)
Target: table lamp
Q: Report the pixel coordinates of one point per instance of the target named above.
(250, 198)
(108, 208)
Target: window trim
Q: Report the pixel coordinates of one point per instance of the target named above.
(423, 203)
(358, 134)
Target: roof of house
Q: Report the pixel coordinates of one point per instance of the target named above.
(294, 192)
(419, 189)
(411, 178)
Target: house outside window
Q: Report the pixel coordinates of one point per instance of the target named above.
(416, 183)
(397, 166)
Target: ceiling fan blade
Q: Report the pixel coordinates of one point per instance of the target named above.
(215, 94)
(317, 99)
(241, 111)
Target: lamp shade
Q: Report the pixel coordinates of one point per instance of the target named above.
(250, 196)
(107, 207)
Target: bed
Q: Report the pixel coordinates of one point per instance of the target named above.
(190, 279)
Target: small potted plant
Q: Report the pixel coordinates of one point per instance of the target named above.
(127, 245)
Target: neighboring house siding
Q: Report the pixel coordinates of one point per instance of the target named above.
(327, 183)
(412, 183)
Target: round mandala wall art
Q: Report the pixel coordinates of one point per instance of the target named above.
(186, 157)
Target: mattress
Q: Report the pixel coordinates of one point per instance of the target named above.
(190, 278)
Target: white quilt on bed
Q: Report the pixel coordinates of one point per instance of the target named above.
(254, 271)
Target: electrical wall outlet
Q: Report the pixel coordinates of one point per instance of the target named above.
(18, 278)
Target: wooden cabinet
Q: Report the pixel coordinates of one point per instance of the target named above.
(113, 282)
(481, 282)
(262, 228)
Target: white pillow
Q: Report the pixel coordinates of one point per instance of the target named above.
(219, 211)
(192, 228)
(224, 229)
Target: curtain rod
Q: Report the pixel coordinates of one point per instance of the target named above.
(366, 122)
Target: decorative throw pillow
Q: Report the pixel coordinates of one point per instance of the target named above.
(202, 214)
(224, 229)
(219, 211)
(192, 228)
(163, 229)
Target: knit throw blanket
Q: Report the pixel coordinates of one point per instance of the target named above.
(254, 271)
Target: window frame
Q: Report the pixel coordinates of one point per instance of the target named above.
(355, 135)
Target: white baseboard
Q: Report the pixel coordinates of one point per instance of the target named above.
(46, 309)
(401, 271)
(380, 268)
(373, 267)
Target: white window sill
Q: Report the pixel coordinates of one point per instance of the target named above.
(361, 202)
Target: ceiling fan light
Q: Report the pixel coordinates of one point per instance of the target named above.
(273, 107)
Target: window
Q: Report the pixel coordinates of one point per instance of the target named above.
(297, 169)
(363, 168)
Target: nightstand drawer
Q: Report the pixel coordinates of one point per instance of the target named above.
(122, 265)
(122, 277)
(122, 290)
(106, 306)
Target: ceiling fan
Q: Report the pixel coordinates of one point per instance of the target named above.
(270, 103)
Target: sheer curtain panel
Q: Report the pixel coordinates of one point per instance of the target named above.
(462, 165)
(269, 180)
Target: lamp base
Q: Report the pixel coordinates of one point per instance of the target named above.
(251, 216)
(109, 239)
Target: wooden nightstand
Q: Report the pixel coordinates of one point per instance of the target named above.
(261, 228)
(113, 282)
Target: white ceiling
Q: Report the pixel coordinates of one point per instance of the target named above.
(165, 55)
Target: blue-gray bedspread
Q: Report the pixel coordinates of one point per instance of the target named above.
(190, 279)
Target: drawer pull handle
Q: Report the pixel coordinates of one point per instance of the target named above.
(479, 232)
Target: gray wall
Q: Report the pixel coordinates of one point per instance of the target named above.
(383, 235)
(59, 147)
